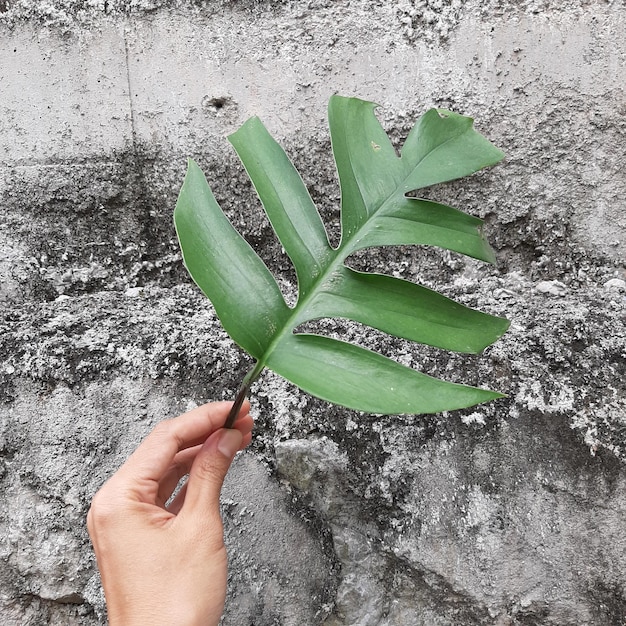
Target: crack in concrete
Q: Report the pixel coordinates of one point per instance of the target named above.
(133, 130)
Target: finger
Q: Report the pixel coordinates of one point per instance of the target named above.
(154, 456)
(244, 425)
(183, 460)
(207, 476)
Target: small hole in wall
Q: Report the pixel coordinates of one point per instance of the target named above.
(215, 104)
(4, 6)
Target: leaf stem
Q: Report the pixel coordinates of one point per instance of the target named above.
(241, 396)
(249, 378)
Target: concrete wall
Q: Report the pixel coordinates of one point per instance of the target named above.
(510, 513)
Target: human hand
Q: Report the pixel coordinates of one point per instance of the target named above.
(167, 564)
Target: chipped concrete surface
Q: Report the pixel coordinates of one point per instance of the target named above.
(510, 513)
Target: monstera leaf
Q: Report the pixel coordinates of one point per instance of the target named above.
(375, 211)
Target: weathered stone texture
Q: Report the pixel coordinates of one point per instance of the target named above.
(512, 513)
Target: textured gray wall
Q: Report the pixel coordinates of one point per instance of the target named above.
(510, 513)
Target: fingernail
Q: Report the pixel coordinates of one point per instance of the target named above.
(229, 442)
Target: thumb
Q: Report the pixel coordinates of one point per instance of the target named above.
(208, 471)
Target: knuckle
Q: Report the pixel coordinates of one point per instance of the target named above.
(162, 429)
(210, 467)
(166, 430)
(102, 514)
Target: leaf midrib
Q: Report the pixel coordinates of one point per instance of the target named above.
(343, 251)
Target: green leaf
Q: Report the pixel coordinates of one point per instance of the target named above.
(375, 211)
(243, 291)
(367, 381)
(286, 201)
(444, 146)
(407, 221)
(404, 309)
